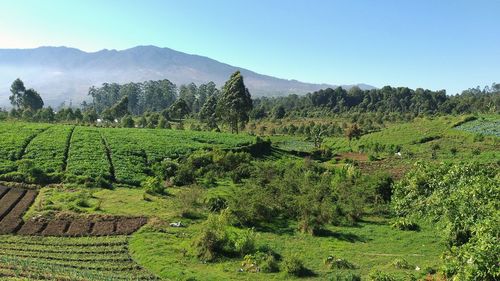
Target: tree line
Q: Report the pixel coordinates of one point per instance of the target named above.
(388, 99)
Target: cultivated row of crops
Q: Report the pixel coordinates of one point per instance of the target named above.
(116, 154)
(84, 258)
(48, 149)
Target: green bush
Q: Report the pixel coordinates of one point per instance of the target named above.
(293, 265)
(401, 263)
(260, 262)
(336, 263)
(153, 185)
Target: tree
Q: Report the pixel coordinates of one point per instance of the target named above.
(235, 103)
(17, 89)
(32, 100)
(120, 109)
(208, 112)
(353, 132)
(179, 109)
(279, 112)
(128, 122)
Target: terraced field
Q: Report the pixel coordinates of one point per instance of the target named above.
(84, 258)
(83, 154)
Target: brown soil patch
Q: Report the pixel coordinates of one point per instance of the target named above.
(362, 157)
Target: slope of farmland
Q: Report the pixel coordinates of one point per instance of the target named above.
(14, 137)
(87, 154)
(47, 258)
(48, 149)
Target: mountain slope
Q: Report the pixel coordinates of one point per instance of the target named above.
(63, 74)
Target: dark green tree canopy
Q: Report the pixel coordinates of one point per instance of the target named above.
(24, 99)
(235, 102)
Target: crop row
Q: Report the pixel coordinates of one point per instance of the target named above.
(14, 137)
(87, 154)
(48, 149)
(47, 270)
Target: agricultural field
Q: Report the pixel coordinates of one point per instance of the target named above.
(488, 125)
(74, 228)
(86, 258)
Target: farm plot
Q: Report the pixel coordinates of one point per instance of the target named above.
(13, 204)
(82, 226)
(14, 137)
(69, 258)
(488, 126)
(87, 154)
(133, 150)
(48, 150)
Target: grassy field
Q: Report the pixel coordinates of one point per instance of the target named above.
(371, 245)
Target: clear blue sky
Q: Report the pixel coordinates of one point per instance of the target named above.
(435, 44)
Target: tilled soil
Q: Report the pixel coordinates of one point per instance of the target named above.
(14, 202)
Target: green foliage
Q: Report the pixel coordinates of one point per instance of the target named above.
(337, 263)
(153, 185)
(401, 263)
(235, 103)
(265, 262)
(378, 275)
(344, 276)
(405, 224)
(465, 199)
(293, 266)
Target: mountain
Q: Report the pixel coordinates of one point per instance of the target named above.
(65, 74)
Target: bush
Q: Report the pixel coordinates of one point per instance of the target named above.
(153, 185)
(335, 263)
(400, 263)
(293, 266)
(184, 176)
(244, 242)
(216, 204)
(260, 262)
(189, 201)
(213, 238)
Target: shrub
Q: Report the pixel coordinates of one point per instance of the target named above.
(184, 176)
(260, 262)
(294, 266)
(189, 201)
(216, 204)
(244, 241)
(401, 263)
(213, 237)
(335, 263)
(153, 185)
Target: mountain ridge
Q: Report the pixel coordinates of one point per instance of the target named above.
(65, 73)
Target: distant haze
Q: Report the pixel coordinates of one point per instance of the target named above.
(62, 74)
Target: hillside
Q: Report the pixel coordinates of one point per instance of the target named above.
(63, 74)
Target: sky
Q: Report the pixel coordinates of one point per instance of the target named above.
(445, 44)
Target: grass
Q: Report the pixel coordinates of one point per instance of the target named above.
(373, 244)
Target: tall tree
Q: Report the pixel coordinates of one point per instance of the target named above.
(32, 100)
(235, 103)
(208, 112)
(17, 89)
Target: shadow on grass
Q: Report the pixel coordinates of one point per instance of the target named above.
(343, 236)
(277, 226)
